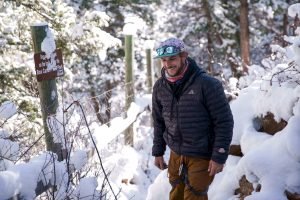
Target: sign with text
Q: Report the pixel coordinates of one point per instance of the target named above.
(48, 68)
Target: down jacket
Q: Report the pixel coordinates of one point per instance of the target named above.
(194, 119)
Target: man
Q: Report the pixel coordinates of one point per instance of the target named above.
(192, 116)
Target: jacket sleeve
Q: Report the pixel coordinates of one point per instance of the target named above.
(222, 119)
(159, 144)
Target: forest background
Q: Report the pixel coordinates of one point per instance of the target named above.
(227, 38)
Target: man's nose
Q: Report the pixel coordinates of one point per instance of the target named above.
(167, 63)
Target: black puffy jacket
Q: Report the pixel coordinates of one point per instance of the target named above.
(194, 119)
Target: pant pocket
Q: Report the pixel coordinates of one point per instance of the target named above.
(173, 166)
(198, 175)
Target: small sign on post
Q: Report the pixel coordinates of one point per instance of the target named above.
(48, 68)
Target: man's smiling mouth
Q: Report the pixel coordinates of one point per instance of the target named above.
(173, 67)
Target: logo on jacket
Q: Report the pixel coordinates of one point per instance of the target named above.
(221, 150)
(191, 91)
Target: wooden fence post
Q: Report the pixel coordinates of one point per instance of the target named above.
(129, 88)
(47, 91)
(157, 69)
(149, 69)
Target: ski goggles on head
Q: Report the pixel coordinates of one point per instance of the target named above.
(167, 51)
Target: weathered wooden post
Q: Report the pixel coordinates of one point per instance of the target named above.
(149, 62)
(157, 69)
(46, 74)
(129, 84)
(129, 70)
(149, 69)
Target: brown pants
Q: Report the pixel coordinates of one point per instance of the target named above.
(194, 180)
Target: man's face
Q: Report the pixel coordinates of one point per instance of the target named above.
(173, 65)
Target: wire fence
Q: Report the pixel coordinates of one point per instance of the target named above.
(78, 121)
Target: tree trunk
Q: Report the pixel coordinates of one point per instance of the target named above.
(96, 106)
(107, 100)
(285, 22)
(244, 35)
(208, 34)
(92, 91)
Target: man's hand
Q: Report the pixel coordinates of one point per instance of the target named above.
(160, 163)
(214, 168)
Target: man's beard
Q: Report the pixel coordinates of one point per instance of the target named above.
(180, 70)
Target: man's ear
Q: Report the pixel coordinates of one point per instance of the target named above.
(184, 54)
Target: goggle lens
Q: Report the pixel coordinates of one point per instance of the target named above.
(168, 50)
(160, 51)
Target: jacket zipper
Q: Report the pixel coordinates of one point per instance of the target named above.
(179, 128)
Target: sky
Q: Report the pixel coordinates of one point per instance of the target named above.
(271, 161)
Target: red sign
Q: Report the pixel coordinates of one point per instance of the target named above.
(48, 68)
